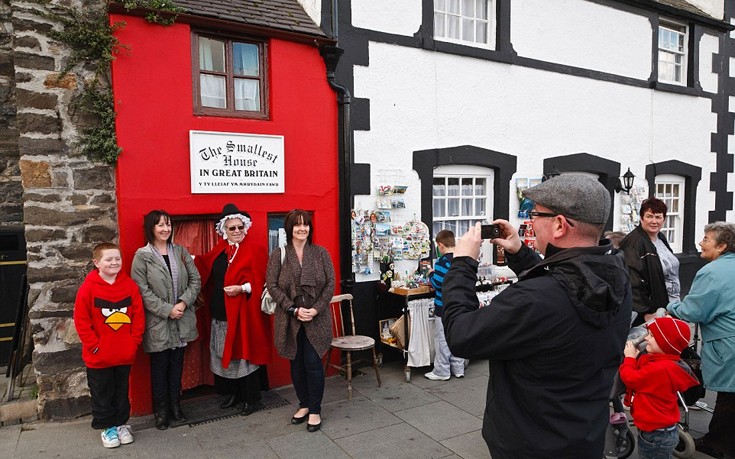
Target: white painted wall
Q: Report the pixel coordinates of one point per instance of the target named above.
(424, 100)
(314, 9)
(582, 34)
(400, 17)
(708, 46)
(715, 8)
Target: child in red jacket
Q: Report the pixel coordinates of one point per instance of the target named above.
(109, 318)
(653, 380)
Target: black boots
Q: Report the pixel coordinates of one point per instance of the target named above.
(161, 415)
(177, 414)
(230, 401)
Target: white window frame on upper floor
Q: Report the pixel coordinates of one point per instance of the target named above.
(465, 15)
(673, 52)
(671, 190)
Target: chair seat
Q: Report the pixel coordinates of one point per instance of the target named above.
(353, 343)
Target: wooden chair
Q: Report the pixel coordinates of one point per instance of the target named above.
(348, 343)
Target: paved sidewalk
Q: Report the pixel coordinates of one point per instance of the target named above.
(420, 419)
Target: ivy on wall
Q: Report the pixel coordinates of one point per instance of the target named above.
(92, 41)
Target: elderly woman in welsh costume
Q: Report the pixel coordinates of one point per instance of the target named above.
(240, 335)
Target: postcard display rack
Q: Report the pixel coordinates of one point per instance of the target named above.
(388, 234)
(629, 206)
(417, 307)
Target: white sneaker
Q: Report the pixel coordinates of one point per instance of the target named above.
(110, 438)
(435, 377)
(459, 376)
(123, 432)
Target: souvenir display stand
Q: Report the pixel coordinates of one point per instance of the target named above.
(416, 305)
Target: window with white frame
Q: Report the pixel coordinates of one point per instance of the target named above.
(672, 52)
(464, 21)
(670, 189)
(462, 196)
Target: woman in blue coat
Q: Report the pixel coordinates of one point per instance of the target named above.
(711, 304)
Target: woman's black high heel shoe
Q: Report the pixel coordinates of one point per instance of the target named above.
(296, 421)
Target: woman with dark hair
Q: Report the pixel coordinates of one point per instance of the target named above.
(302, 286)
(654, 269)
(169, 284)
(240, 340)
(711, 304)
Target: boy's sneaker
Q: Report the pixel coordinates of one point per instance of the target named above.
(459, 376)
(123, 433)
(110, 438)
(435, 377)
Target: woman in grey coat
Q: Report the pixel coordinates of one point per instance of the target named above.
(302, 285)
(169, 284)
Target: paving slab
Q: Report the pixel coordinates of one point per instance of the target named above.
(440, 420)
(395, 442)
(468, 446)
(350, 417)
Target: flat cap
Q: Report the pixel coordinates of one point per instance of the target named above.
(579, 197)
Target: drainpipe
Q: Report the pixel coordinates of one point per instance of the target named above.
(331, 55)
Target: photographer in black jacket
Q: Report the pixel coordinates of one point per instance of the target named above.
(555, 338)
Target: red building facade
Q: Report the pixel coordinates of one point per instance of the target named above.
(157, 100)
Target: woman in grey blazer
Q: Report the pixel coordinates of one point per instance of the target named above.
(169, 284)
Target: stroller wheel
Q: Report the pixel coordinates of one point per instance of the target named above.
(685, 448)
(624, 448)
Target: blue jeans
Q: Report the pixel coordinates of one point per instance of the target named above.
(658, 444)
(307, 374)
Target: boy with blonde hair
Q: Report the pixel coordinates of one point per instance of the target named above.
(109, 318)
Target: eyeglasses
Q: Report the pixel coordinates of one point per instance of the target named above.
(238, 227)
(534, 213)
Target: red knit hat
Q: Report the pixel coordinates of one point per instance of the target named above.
(672, 335)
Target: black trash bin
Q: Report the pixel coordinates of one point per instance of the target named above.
(13, 266)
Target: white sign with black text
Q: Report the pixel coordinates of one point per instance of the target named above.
(228, 162)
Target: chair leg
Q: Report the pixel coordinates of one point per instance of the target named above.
(375, 365)
(349, 375)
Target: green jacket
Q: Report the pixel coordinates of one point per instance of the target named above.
(156, 288)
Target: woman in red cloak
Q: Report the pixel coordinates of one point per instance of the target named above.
(240, 339)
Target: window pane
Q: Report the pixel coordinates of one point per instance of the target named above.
(462, 227)
(245, 59)
(468, 8)
(437, 226)
(453, 186)
(453, 207)
(480, 187)
(468, 30)
(466, 187)
(453, 6)
(440, 5)
(452, 26)
(211, 55)
(439, 208)
(481, 32)
(439, 19)
(212, 90)
(438, 189)
(481, 11)
(247, 94)
(466, 207)
(480, 207)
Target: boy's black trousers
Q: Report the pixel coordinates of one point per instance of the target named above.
(109, 390)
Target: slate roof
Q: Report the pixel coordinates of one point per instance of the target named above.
(685, 6)
(276, 14)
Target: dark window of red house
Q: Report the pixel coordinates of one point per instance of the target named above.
(230, 76)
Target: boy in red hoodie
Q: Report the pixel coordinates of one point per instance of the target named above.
(653, 380)
(109, 318)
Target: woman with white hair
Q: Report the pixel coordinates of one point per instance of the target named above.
(240, 334)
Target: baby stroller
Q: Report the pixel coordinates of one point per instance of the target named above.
(619, 440)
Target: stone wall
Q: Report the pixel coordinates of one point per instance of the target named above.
(68, 202)
(11, 191)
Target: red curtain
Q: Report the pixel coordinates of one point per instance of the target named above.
(199, 237)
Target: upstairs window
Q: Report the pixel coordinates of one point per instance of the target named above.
(670, 189)
(465, 21)
(672, 53)
(230, 77)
